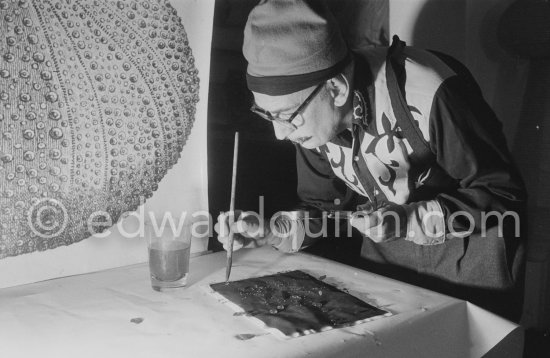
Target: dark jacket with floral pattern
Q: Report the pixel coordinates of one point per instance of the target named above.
(457, 194)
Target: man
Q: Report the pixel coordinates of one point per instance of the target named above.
(403, 131)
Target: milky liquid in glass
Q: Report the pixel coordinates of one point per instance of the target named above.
(169, 264)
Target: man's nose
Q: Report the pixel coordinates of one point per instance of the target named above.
(281, 131)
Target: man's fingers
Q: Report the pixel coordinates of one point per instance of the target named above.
(226, 225)
(369, 225)
(237, 227)
(240, 226)
(360, 223)
(237, 244)
(363, 221)
(224, 221)
(222, 239)
(249, 227)
(238, 241)
(221, 226)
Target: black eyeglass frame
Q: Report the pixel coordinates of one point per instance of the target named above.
(287, 122)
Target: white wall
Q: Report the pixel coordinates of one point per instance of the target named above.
(183, 189)
(466, 29)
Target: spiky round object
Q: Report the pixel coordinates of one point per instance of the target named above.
(97, 99)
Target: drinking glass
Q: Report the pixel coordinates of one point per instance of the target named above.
(169, 252)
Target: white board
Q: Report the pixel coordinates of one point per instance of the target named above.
(181, 191)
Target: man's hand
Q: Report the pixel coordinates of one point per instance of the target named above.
(380, 226)
(249, 230)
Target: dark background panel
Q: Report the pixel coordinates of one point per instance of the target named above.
(266, 166)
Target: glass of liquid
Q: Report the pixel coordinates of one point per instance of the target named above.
(169, 251)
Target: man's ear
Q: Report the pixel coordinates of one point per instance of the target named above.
(339, 89)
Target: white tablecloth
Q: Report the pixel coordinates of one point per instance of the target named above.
(115, 313)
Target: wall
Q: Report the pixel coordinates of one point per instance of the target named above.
(466, 29)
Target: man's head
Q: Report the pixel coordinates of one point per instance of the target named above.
(299, 68)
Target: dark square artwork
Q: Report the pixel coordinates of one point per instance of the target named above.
(295, 303)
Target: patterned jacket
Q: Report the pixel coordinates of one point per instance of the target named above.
(448, 192)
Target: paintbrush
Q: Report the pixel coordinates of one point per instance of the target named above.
(229, 262)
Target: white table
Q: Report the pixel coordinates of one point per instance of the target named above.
(90, 316)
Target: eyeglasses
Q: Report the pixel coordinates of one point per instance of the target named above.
(287, 122)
